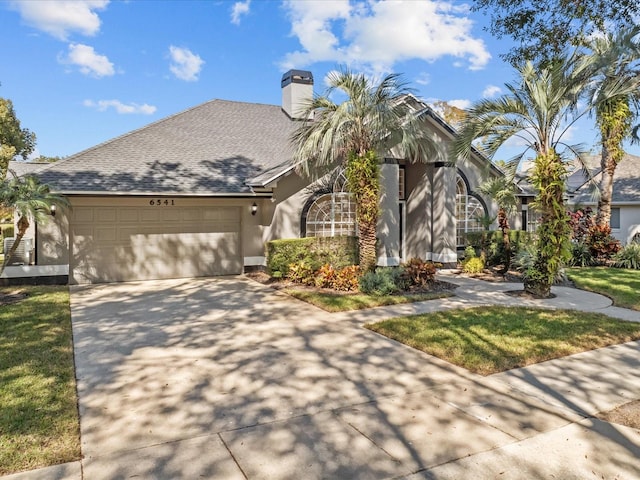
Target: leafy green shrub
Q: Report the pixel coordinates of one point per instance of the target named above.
(382, 281)
(524, 259)
(418, 272)
(494, 247)
(473, 265)
(469, 252)
(316, 251)
(628, 257)
(301, 272)
(581, 255)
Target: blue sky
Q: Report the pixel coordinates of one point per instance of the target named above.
(83, 71)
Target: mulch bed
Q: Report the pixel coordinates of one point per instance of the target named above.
(280, 284)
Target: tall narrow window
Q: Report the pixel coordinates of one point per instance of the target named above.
(614, 221)
(469, 211)
(402, 183)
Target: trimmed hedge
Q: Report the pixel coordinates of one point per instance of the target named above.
(339, 252)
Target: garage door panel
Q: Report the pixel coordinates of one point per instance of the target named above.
(150, 215)
(170, 215)
(102, 215)
(82, 214)
(128, 215)
(106, 234)
(160, 243)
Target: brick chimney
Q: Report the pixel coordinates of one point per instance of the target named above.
(297, 89)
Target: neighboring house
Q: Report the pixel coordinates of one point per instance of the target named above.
(625, 202)
(200, 192)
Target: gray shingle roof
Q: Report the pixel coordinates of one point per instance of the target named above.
(22, 168)
(626, 180)
(214, 148)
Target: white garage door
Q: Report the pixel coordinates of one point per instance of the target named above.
(112, 244)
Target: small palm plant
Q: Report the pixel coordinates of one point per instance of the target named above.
(31, 201)
(504, 191)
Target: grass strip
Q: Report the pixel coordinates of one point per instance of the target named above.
(39, 418)
(622, 285)
(487, 340)
(336, 302)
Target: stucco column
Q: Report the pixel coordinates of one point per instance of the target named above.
(443, 244)
(388, 223)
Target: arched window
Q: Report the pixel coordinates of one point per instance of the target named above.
(469, 210)
(332, 214)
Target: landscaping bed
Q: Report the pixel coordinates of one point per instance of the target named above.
(339, 301)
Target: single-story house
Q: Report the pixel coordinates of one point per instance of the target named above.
(199, 193)
(625, 201)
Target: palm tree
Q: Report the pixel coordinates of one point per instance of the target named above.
(31, 201)
(537, 112)
(373, 119)
(615, 95)
(503, 190)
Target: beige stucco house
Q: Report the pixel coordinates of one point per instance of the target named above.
(200, 192)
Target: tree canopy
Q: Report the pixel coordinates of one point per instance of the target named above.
(542, 29)
(14, 140)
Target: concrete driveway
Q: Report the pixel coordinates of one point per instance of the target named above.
(225, 378)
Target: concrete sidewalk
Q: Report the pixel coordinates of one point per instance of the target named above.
(225, 378)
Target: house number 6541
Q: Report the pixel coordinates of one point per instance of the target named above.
(160, 202)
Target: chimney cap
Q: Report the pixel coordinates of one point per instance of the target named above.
(297, 76)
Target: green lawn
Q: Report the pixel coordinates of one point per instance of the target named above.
(336, 302)
(38, 415)
(620, 284)
(487, 340)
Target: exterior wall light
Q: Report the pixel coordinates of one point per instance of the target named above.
(254, 208)
(52, 210)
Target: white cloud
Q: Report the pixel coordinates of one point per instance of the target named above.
(119, 107)
(185, 65)
(238, 10)
(88, 61)
(61, 17)
(491, 91)
(367, 33)
(462, 104)
(423, 79)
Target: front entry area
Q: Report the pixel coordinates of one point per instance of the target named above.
(156, 239)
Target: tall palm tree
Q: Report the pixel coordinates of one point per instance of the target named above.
(31, 202)
(537, 111)
(356, 133)
(615, 95)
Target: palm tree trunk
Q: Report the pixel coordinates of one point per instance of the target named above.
(367, 244)
(554, 232)
(23, 225)
(503, 223)
(608, 164)
(363, 178)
